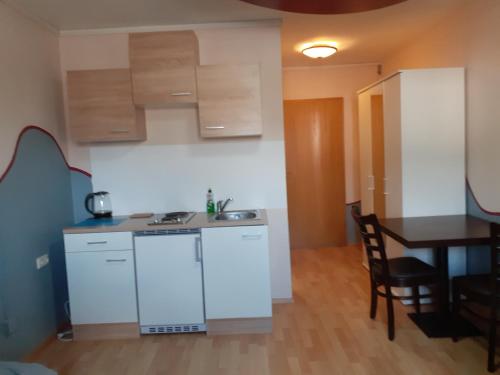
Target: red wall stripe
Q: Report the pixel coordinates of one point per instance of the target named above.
(479, 204)
(33, 127)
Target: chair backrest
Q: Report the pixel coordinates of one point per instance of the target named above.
(371, 235)
(495, 263)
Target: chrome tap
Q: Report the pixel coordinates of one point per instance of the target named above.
(221, 205)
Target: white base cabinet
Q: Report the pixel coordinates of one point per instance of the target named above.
(102, 287)
(236, 272)
(101, 278)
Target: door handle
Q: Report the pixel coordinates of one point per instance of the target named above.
(97, 242)
(385, 186)
(116, 260)
(182, 93)
(197, 249)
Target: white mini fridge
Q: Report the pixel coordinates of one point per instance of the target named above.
(169, 281)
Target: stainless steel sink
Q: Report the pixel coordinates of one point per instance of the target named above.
(236, 215)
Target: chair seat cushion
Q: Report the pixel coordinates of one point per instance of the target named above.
(477, 284)
(406, 268)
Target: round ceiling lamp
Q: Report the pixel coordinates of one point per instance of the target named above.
(319, 50)
(325, 6)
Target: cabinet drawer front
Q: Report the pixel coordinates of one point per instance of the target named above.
(98, 242)
(236, 272)
(102, 287)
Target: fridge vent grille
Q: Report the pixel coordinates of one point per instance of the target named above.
(184, 328)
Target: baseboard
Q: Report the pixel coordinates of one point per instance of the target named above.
(45, 343)
(115, 331)
(282, 300)
(40, 348)
(239, 326)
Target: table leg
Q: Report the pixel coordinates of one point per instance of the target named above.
(444, 287)
(438, 324)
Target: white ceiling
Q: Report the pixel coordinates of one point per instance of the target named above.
(362, 38)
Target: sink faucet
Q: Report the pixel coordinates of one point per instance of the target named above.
(221, 205)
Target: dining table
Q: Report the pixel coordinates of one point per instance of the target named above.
(441, 233)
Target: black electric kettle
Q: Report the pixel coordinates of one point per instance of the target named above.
(99, 204)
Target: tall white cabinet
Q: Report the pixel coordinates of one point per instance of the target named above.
(412, 149)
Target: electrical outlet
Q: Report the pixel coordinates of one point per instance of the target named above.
(42, 261)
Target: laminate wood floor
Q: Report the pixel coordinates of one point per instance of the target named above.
(325, 331)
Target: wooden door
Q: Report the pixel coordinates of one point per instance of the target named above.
(378, 160)
(314, 143)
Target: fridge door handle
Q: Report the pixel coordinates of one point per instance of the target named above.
(197, 249)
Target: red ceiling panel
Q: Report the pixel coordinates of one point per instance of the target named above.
(324, 6)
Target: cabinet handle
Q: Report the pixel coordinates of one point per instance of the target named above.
(385, 186)
(215, 127)
(251, 236)
(115, 260)
(182, 93)
(97, 242)
(371, 183)
(197, 249)
(119, 131)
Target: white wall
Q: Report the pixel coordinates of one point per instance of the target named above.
(334, 82)
(173, 169)
(30, 80)
(468, 38)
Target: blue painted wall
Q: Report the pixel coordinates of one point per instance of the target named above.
(36, 203)
(478, 257)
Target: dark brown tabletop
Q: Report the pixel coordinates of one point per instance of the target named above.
(437, 231)
(440, 233)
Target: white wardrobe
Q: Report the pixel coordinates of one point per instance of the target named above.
(412, 150)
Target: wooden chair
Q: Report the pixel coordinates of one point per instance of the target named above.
(402, 272)
(484, 290)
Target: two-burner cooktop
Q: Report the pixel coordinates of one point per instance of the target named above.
(172, 218)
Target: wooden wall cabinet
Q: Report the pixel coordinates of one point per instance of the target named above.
(229, 100)
(163, 66)
(100, 107)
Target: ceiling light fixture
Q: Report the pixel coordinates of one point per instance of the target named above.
(320, 50)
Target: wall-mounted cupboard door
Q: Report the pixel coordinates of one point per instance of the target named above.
(229, 100)
(163, 66)
(100, 107)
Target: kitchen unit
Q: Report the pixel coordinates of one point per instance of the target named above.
(192, 276)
